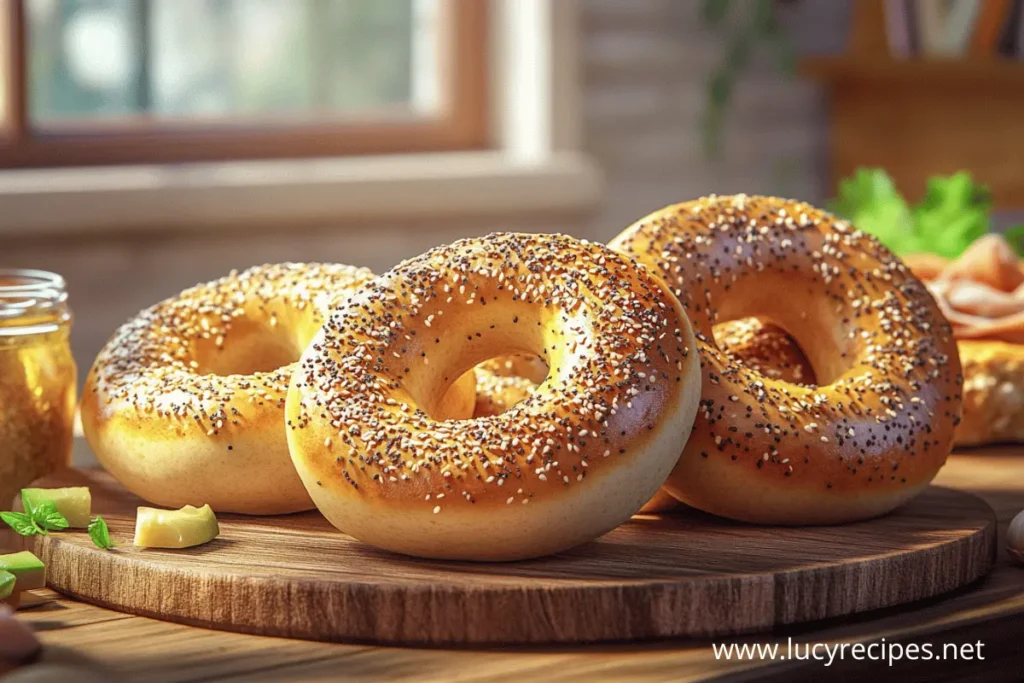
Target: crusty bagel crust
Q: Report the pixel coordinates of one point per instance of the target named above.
(880, 425)
(993, 371)
(168, 425)
(583, 453)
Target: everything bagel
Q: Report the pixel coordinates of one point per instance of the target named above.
(879, 425)
(578, 457)
(185, 404)
(760, 345)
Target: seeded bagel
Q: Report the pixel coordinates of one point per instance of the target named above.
(878, 425)
(577, 458)
(185, 404)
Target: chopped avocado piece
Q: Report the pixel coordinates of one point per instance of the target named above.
(28, 570)
(7, 581)
(75, 503)
(184, 528)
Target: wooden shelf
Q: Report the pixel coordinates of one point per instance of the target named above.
(922, 117)
(919, 118)
(975, 71)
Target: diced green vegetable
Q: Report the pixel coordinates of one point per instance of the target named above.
(74, 503)
(28, 570)
(7, 581)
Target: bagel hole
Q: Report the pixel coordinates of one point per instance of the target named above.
(525, 366)
(764, 345)
(437, 359)
(250, 349)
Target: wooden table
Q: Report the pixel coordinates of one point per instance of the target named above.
(990, 612)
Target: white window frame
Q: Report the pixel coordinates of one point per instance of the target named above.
(537, 164)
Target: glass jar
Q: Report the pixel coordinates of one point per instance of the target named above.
(37, 378)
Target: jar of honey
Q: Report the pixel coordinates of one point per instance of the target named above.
(37, 378)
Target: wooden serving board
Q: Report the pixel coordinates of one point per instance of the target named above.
(676, 575)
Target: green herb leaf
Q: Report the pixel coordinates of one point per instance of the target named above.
(738, 56)
(45, 515)
(26, 502)
(762, 26)
(21, 523)
(953, 213)
(36, 520)
(711, 133)
(720, 88)
(764, 18)
(100, 534)
(787, 56)
(715, 11)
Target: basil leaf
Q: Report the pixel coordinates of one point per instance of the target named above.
(45, 515)
(21, 523)
(26, 502)
(100, 534)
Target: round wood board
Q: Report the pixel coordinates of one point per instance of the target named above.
(676, 575)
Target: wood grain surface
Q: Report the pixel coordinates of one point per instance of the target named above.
(122, 647)
(685, 574)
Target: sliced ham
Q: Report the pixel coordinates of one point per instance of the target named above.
(981, 293)
(989, 261)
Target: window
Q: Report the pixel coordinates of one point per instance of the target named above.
(482, 119)
(147, 81)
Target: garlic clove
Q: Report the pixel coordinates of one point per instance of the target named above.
(1015, 538)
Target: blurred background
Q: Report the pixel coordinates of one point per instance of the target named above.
(147, 145)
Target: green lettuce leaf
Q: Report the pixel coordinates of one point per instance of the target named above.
(870, 201)
(953, 213)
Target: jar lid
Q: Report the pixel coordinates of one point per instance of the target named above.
(32, 301)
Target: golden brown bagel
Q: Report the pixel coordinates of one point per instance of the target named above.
(583, 453)
(185, 404)
(503, 382)
(879, 426)
(761, 345)
(993, 371)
